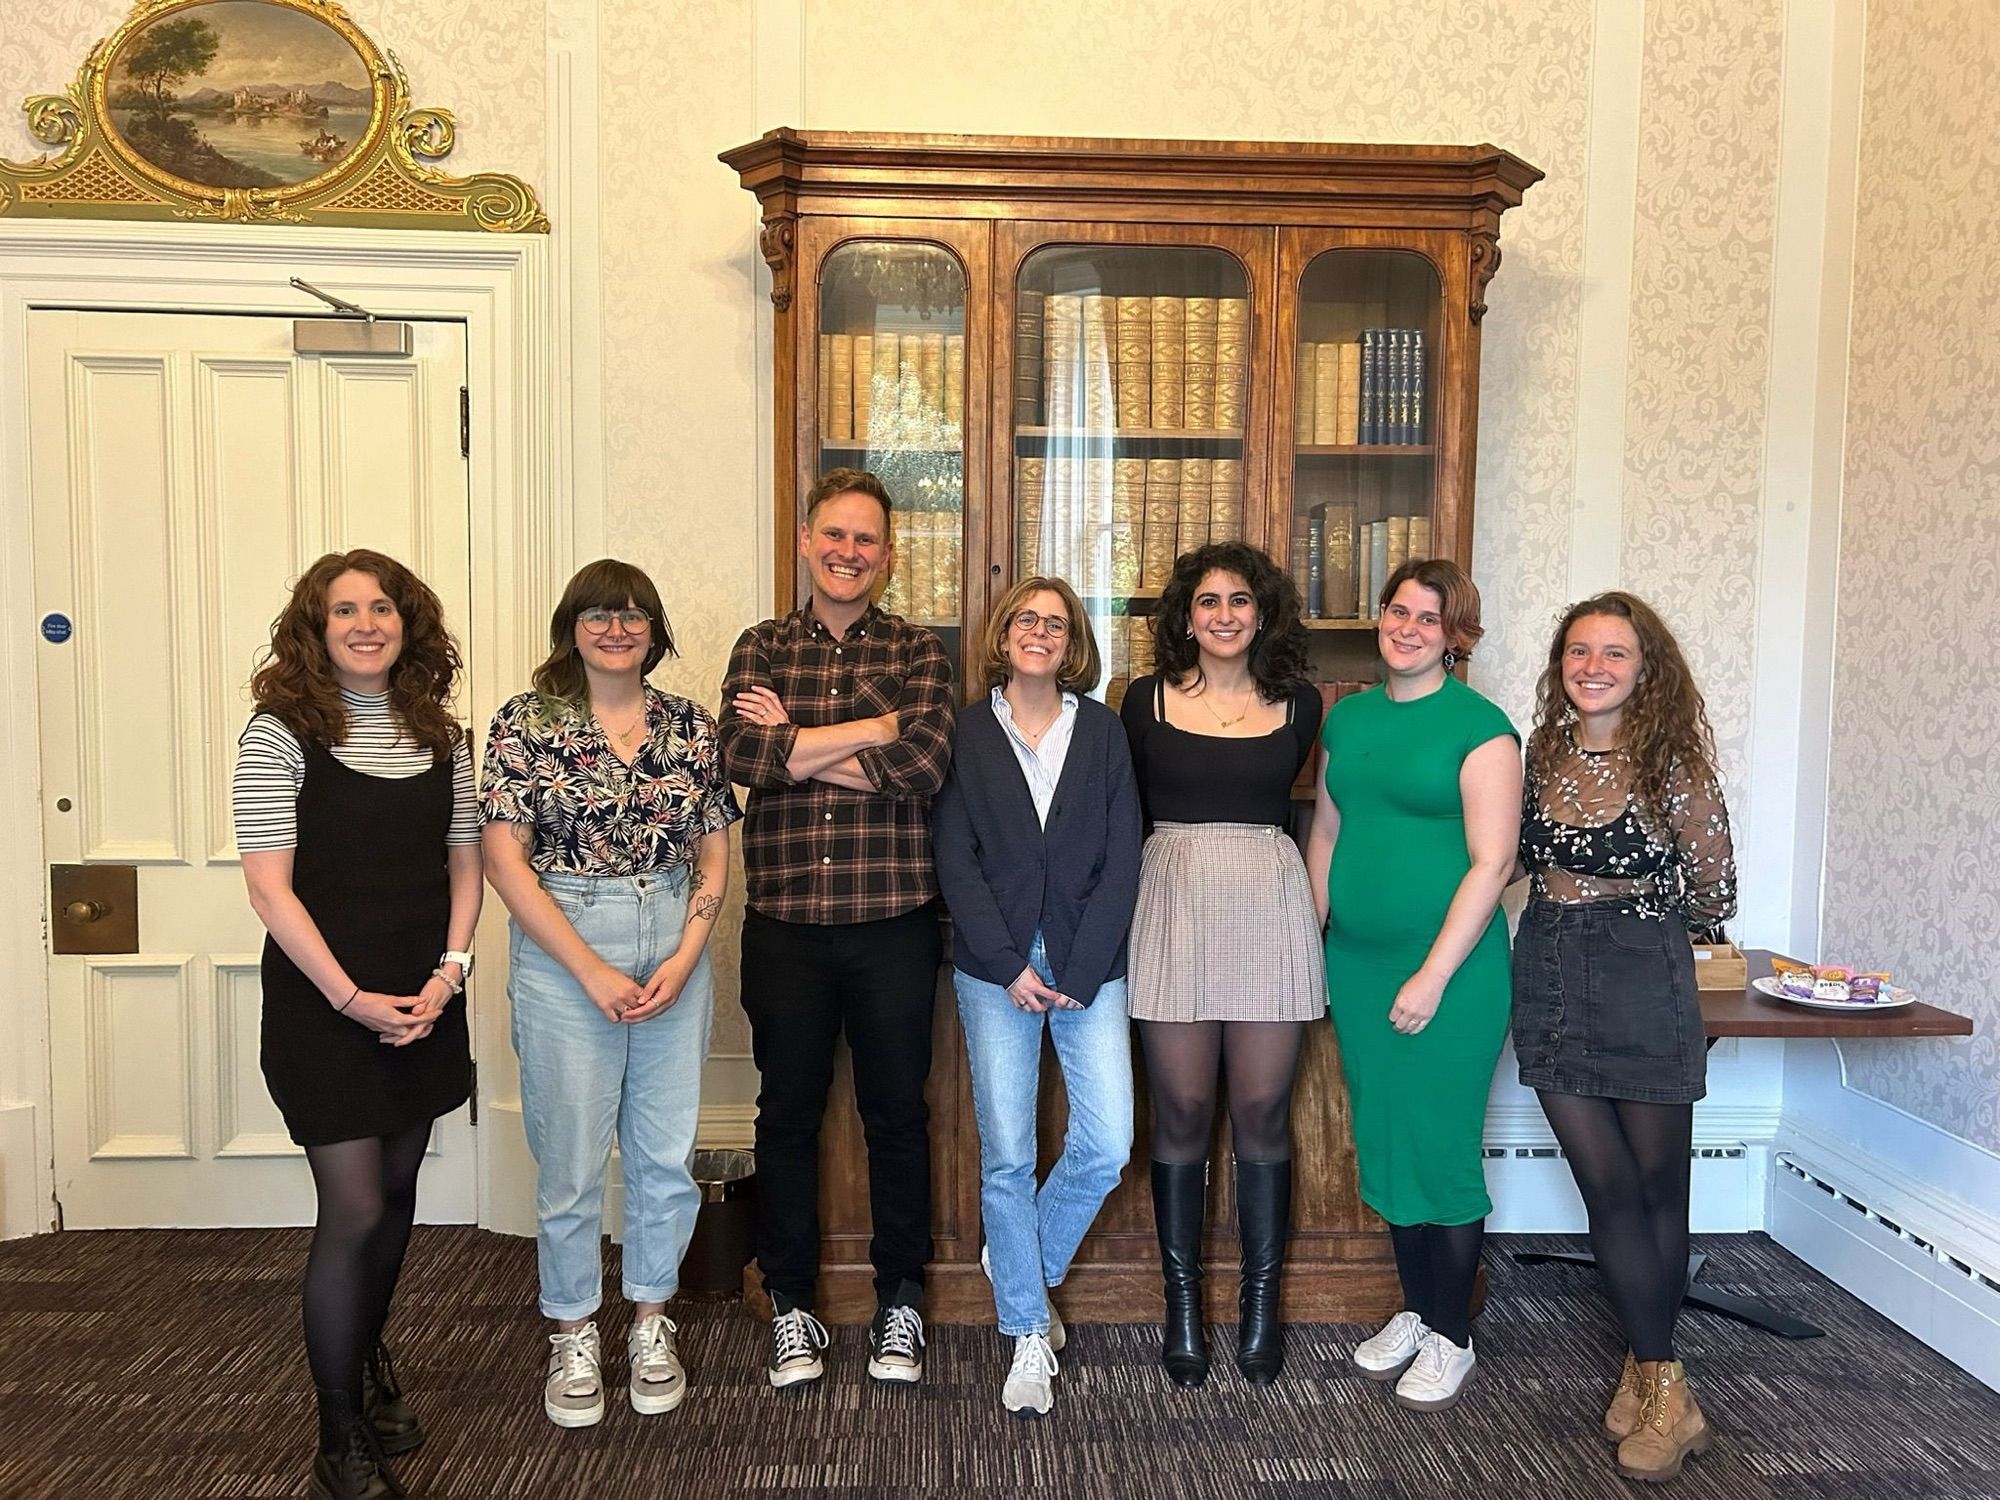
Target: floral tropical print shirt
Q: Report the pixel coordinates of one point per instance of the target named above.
(549, 765)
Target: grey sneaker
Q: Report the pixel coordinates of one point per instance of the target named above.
(573, 1393)
(1030, 1387)
(896, 1343)
(1058, 1335)
(658, 1382)
(796, 1339)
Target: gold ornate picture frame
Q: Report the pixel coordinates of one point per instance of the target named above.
(258, 110)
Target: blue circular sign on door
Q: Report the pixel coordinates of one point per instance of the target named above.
(56, 629)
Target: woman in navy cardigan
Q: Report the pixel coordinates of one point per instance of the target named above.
(1037, 842)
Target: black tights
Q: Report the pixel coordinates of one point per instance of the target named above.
(1631, 1165)
(367, 1199)
(1438, 1264)
(1184, 1062)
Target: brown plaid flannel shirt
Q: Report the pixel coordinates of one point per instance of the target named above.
(813, 852)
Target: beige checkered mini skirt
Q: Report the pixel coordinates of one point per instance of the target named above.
(1224, 929)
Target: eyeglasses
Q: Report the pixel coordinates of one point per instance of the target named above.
(1026, 621)
(598, 621)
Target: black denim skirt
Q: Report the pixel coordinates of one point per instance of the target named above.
(1605, 1004)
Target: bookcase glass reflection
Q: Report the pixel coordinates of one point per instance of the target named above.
(1364, 479)
(1131, 369)
(892, 400)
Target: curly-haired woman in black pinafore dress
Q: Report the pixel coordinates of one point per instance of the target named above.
(359, 832)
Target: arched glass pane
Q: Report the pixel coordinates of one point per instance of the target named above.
(892, 400)
(1131, 387)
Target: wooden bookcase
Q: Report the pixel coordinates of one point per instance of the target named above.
(1024, 262)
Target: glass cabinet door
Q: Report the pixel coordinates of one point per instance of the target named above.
(1131, 387)
(892, 400)
(1364, 478)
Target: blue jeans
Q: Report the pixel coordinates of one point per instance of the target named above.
(1031, 1236)
(584, 1079)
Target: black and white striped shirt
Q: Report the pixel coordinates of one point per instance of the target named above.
(271, 767)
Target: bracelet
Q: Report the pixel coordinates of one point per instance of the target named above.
(449, 983)
(348, 1001)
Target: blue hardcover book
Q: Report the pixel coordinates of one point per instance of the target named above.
(1418, 368)
(1371, 385)
(1401, 426)
(1315, 562)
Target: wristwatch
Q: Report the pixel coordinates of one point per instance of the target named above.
(463, 960)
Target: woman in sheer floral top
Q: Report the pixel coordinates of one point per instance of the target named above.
(1626, 840)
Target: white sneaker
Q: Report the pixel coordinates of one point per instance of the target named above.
(1436, 1377)
(1058, 1335)
(1030, 1389)
(1388, 1353)
(573, 1392)
(796, 1339)
(658, 1383)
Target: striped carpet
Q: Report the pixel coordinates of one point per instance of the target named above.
(167, 1364)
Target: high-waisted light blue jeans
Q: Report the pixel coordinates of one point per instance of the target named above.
(585, 1079)
(1031, 1236)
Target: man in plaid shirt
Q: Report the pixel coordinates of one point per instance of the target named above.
(838, 718)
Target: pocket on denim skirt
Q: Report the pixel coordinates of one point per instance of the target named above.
(1634, 1010)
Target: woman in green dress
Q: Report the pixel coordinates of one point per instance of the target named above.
(1413, 836)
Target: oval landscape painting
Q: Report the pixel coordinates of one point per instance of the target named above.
(240, 94)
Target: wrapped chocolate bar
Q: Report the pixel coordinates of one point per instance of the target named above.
(1870, 988)
(1832, 981)
(1795, 980)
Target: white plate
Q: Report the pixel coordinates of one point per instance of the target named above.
(1892, 997)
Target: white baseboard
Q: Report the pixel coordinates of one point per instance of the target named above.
(1904, 1215)
(20, 1211)
(1891, 1267)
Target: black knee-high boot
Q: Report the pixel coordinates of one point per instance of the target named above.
(1263, 1220)
(1180, 1192)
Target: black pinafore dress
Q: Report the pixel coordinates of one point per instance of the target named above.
(370, 868)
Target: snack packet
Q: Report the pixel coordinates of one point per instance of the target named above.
(1832, 982)
(1794, 979)
(1868, 987)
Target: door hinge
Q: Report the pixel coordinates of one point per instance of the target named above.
(59, 1214)
(465, 421)
(475, 1091)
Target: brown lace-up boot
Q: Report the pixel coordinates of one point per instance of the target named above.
(1670, 1426)
(1622, 1415)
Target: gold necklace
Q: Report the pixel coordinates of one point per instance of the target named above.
(626, 735)
(1248, 698)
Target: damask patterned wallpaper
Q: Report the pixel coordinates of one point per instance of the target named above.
(1912, 876)
(1701, 294)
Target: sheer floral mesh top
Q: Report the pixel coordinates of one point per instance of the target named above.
(1583, 838)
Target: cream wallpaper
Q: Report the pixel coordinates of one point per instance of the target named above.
(1701, 293)
(467, 56)
(1912, 877)
(1506, 71)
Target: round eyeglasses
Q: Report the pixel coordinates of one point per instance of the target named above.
(598, 621)
(1027, 621)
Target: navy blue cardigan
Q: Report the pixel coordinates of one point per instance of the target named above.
(1003, 875)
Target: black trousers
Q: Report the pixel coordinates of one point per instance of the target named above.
(805, 984)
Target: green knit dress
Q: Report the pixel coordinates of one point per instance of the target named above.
(1418, 1102)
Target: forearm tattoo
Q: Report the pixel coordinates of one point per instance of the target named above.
(697, 880)
(707, 907)
(524, 835)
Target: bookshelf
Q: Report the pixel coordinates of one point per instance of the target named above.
(1141, 324)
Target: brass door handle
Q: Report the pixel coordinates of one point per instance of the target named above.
(86, 911)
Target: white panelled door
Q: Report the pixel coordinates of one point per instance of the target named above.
(185, 470)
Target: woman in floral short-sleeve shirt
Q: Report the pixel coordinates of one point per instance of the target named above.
(607, 835)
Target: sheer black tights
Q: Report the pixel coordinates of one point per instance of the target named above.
(1438, 1264)
(367, 1193)
(1631, 1165)
(1185, 1060)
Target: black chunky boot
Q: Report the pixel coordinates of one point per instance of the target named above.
(396, 1426)
(1263, 1219)
(1180, 1192)
(355, 1469)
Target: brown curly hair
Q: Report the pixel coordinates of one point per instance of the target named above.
(1664, 730)
(1278, 651)
(294, 679)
